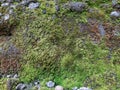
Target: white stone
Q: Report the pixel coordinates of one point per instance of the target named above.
(58, 88)
(115, 14)
(84, 88)
(50, 84)
(4, 4)
(6, 17)
(33, 5)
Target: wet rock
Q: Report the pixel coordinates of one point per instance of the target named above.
(115, 14)
(76, 6)
(33, 5)
(50, 84)
(21, 86)
(84, 88)
(58, 88)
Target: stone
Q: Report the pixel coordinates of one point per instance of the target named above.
(16, 76)
(115, 14)
(114, 2)
(50, 84)
(76, 6)
(101, 30)
(27, 2)
(36, 82)
(75, 88)
(57, 8)
(11, 11)
(44, 11)
(21, 86)
(33, 5)
(10, 1)
(5, 4)
(84, 88)
(13, 6)
(58, 88)
(9, 76)
(0, 14)
(6, 17)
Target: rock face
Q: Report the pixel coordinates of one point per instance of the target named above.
(58, 88)
(76, 6)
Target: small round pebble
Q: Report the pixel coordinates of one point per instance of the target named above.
(58, 88)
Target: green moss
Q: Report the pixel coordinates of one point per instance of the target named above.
(55, 49)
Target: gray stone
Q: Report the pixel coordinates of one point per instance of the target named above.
(33, 5)
(84, 88)
(76, 6)
(58, 88)
(101, 30)
(57, 8)
(27, 2)
(21, 86)
(114, 2)
(115, 14)
(13, 6)
(50, 84)
(10, 1)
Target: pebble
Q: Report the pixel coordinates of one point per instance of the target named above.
(50, 84)
(84, 88)
(115, 14)
(6, 17)
(33, 5)
(4, 4)
(21, 86)
(58, 88)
